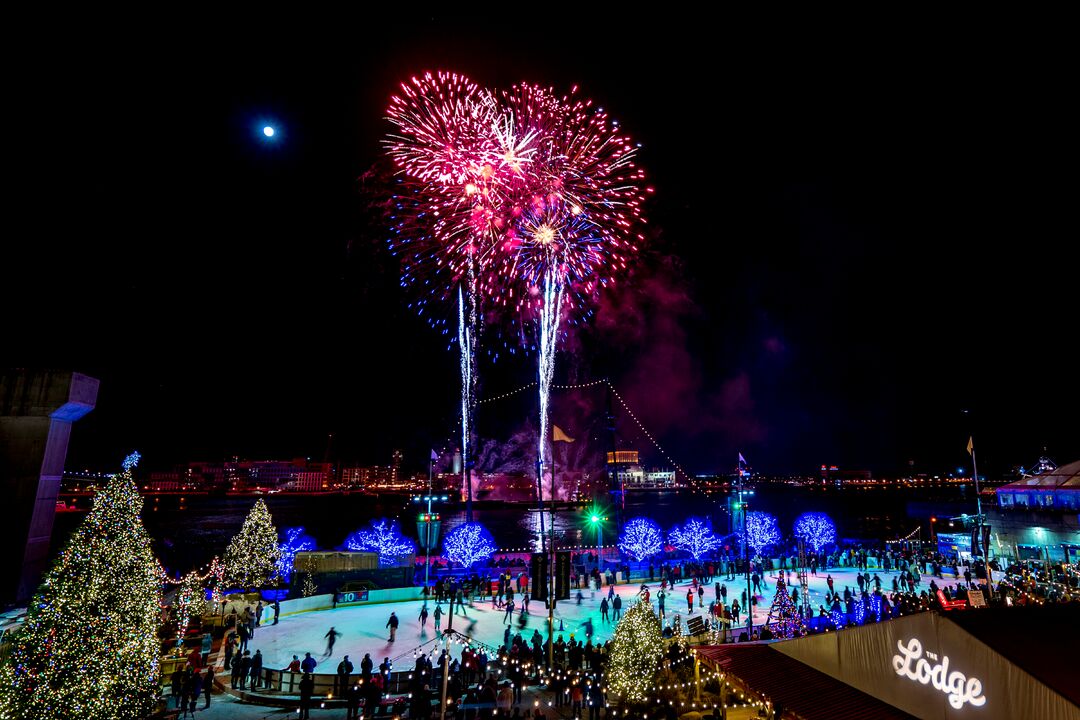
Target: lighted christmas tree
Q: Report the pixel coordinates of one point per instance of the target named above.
(309, 587)
(295, 541)
(190, 603)
(468, 544)
(695, 537)
(761, 530)
(641, 538)
(784, 619)
(88, 648)
(816, 528)
(385, 538)
(636, 651)
(252, 556)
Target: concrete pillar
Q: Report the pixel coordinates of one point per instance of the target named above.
(37, 408)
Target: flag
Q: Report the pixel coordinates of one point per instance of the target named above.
(434, 456)
(971, 446)
(559, 435)
(742, 460)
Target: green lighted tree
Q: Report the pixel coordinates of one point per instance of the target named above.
(251, 558)
(636, 651)
(88, 648)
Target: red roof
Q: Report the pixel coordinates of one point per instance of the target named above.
(802, 691)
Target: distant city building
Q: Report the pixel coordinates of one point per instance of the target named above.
(311, 482)
(623, 457)
(636, 477)
(836, 476)
(164, 482)
(395, 467)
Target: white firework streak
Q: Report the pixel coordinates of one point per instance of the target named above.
(549, 336)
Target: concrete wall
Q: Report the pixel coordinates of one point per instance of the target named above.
(37, 409)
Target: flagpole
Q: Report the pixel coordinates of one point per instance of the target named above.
(551, 569)
(746, 556)
(978, 498)
(427, 529)
(985, 551)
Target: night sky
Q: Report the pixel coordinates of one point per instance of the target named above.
(856, 241)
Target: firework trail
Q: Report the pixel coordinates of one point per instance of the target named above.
(444, 145)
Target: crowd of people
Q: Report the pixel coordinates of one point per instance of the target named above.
(888, 584)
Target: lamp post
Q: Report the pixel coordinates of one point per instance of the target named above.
(598, 522)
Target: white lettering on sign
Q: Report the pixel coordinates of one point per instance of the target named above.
(911, 664)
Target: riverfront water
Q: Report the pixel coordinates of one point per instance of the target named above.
(188, 531)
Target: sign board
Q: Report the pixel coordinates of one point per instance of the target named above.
(352, 596)
(952, 544)
(695, 625)
(976, 598)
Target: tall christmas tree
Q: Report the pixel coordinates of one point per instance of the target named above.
(88, 648)
(784, 619)
(190, 603)
(636, 651)
(252, 556)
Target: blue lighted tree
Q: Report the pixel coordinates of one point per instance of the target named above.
(295, 541)
(762, 530)
(641, 538)
(816, 528)
(695, 537)
(383, 537)
(468, 544)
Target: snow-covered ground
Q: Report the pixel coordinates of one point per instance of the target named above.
(363, 627)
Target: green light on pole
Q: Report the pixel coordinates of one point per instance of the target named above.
(597, 520)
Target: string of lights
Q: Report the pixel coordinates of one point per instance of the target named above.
(617, 396)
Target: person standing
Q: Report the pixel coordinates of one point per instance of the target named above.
(690, 602)
(660, 601)
(423, 619)
(307, 687)
(352, 702)
(701, 596)
(308, 665)
(392, 623)
(256, 670)
(616, 606)
(244, 634)
(207, 646)
(258, 614)
(208, 685)
(277, 611)
(344, 670)
(230, 644)
(438, 618)
(604, 610)
(366, 666)
(509, 611)
(245, 668)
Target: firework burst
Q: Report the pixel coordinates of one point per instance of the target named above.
(520, 206)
